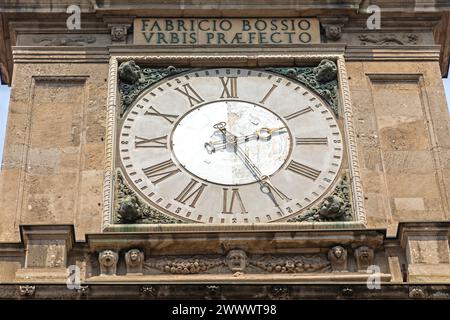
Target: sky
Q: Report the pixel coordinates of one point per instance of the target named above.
(5, 93)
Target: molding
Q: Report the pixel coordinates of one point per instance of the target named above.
(57, 54)
(394, 53)
(295, 289)
(355, 176)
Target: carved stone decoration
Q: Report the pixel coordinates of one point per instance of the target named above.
(27, 290)
(237, 260)
(134, 260)
(108, 262)
(416, 293)
(336, 207)
(333, 31)
(338, 258)
(134, 79)
(82, 290)
(347, 292)
(292, 263)
(79, 40)
(213, 292)
(130, 209)
(322, 79)
(119, 33)
(181, 265)
(148, 291)
(279, 292)
(364, 258)
(389, 39)
(130, 73)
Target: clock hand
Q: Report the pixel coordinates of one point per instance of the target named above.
(263, 134)
(266, 182)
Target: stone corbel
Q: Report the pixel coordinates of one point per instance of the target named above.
(333, 27)
(47, 248)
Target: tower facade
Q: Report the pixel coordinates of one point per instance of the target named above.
(280, 148)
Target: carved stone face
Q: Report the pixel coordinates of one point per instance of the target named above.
(338, 252)
(118, 33)
(108, 258)
(237, 260)
(334, 32)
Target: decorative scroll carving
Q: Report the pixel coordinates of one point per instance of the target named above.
(79, 40)
(179, 265)
(322, 79)
(336, 207)
(108, 262)
(338, 258)
(388, 39)
(130, 209)
(134, 79)
(292, 263)
(364, 258)
(134, 260)
(27, 290)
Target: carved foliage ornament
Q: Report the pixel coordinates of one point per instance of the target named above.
(336, 207)
(134, 79)
(322, 79)
(388, 39)
(130, 209)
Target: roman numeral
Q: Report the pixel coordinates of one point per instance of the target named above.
(193, 97)
(298, 113)
(229, 87)
(311, 141)
(189, 193)
(268, 93)
(156, 113)
(159, 142)
(228, 205)
(162, 170)
(303, 170)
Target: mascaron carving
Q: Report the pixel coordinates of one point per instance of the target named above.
(237, 260)
(364, 258)
(333, 31)
(119, 33)
(322, 79)
(338, 258)
(108, 262)
(134, 79)
(134, 260)
(336, 207)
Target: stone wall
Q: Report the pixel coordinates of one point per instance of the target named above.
(403, 139)
(54, 149)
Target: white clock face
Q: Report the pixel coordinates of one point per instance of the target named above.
(230, 146)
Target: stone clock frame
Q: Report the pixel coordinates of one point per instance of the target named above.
(196, 61)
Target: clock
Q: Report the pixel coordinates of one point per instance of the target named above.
(230, 145)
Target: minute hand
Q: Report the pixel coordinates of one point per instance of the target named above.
(263, 179)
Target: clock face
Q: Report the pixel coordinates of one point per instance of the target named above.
(230, 146)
